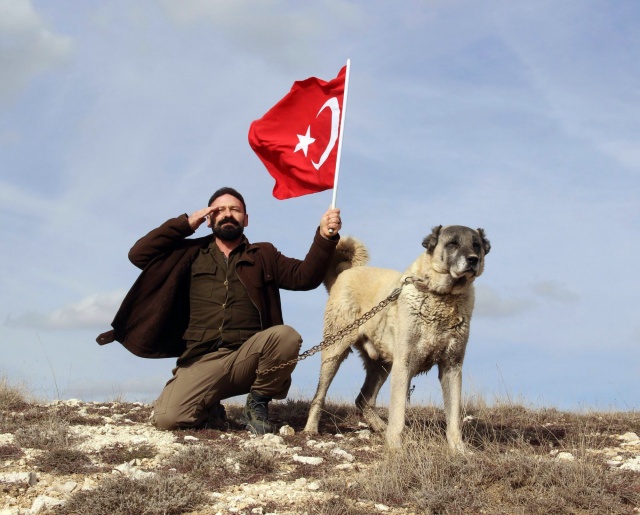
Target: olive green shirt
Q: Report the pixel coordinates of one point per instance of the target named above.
(221, 312)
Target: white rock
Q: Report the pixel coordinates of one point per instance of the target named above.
(629, 437)
(29, 478)
(309, 460)
(381, 507)
(343, 454)
(43, 501)
(6, 439)
(132, 472)
(287, 431)
(565, 456)
(634, 467)
(190, 438)
(271, 439)
(364, 434)
(315, 485)
(63, 488)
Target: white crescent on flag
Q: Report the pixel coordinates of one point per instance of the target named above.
(332, 104)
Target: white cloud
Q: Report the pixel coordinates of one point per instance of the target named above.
(96, 310)
(28, 47)
(490, 303)
(273, 25)
(554, 290)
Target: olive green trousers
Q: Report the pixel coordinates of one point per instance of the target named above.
(197, 386)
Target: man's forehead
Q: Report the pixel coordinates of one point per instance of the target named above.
(226, 200)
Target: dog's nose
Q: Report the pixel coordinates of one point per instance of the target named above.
(472, 260)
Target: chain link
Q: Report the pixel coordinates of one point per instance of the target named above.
(331, 339)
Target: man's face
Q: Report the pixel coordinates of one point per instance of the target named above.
(228, 218)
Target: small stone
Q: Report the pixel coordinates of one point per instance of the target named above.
(565, 456)
(43, 501)
(313, 486)
(309, 460)
(629, 437)
(342, 454)
(190, 438)
(287, 431)
(381, 507)
(272, 439)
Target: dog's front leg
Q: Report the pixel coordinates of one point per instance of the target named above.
(451, 383)
(400, 379)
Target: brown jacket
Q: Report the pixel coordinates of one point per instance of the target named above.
(155, 313)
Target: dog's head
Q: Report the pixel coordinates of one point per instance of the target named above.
(457, 251)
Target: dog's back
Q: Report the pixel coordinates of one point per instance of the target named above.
(350, 252)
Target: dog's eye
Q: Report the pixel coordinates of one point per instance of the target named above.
(476, 246)
(452, 244)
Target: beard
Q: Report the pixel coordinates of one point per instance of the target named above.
(228, 229)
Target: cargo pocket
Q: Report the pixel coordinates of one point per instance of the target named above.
(162, 403)
(194, 334)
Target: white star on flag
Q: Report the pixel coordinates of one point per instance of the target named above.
(304, 142)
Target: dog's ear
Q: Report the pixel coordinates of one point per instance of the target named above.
(431, 241)
(486, 244)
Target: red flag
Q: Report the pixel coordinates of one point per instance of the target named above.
(297, 139)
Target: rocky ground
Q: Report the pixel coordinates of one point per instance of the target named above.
(50, 453)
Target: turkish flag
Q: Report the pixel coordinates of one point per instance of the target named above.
(297, 139)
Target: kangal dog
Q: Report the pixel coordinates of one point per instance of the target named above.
(427, 325)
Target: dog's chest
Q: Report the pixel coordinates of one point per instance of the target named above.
(440, 325)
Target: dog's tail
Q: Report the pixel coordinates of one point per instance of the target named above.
(350, 252)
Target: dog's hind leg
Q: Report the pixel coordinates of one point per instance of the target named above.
(328, 371)
(451, 383)
(377, 374)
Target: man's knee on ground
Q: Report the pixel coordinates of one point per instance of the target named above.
(172, 419)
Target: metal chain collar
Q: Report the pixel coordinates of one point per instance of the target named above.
(331, 339)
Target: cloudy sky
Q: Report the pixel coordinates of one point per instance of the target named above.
(519, 117)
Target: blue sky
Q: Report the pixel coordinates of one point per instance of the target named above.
(521, 118)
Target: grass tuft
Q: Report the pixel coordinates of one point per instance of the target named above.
(162, 494)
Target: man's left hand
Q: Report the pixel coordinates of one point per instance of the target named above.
(330, 221)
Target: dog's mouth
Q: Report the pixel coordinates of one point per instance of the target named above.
(466, 273)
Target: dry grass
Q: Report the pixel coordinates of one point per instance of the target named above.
(509, 468)
(163, 494)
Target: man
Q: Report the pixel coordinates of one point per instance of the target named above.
(214, 303)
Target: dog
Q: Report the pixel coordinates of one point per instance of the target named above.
(427, 325)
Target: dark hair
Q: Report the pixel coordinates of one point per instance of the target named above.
(228, 191)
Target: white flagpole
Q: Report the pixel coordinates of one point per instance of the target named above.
(342, 117)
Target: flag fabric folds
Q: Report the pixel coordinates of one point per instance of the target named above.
(297, 139)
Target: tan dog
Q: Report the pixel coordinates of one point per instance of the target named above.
(427, 325)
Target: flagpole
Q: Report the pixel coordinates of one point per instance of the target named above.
(342, 118)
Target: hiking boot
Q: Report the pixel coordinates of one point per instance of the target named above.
(216, 417)
(256, 414)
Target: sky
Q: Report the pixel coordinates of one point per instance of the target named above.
(522, 118)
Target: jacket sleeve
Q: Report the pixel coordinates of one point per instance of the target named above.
(160, 240)
(306, 274)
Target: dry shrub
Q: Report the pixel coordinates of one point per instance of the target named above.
(49, 433)
(119, 453)
(508, 471)
(338, 506)
(12, 396)
(162, 494)
(65, 461)
(204, 464)
(257, 461)
(10, 451)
